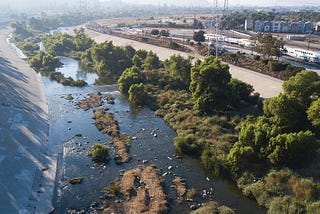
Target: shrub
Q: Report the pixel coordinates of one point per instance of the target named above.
(277, 65)
(257, 57)
(285, 204)
(191, 193)
(264, 61)
(187, 145)
(313, 208)
(99, 152)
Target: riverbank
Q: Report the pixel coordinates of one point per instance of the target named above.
(267, 86)
(27, 171)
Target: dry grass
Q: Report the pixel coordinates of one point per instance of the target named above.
(105, 122)
(94, 100)
(142, 191)
(181, 186)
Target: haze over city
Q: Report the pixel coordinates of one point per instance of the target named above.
(258, 3)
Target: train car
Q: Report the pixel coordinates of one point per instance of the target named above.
(306, 55)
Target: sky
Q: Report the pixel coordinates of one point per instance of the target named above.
(258, 3)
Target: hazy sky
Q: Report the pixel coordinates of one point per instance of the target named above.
(258, 3)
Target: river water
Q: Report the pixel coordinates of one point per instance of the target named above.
(72, 135)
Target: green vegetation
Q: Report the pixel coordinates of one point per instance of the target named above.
(268, 46)
(270, 149)
(155, 32)
(100, 152)
(107, 60)
(55, 45)
(209, 120)
(137, 94)
(199, 36)
(213, 208)
(285, 136)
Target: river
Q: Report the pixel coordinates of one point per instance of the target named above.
(72, 135)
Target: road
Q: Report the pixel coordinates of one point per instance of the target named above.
(26, 171)
(267, 86)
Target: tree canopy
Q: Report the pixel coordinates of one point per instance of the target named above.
(210, 85)
(284, 135)
(199, 36)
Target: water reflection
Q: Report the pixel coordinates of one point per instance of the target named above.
(73, 68)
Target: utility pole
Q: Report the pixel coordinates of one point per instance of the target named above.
(216, 10)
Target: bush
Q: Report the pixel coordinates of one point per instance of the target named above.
(257, 57)
(174, 45)
(313, 208)
(264, 61)
(100, 152)
(277, 65)
(285, 204)
(187, 145)
(215, 161)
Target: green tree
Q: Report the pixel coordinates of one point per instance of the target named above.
(305, 87)
(137, 94)
(240, 89)
(151, 62)
(164, 33)
(179, 69)
(81, 40)
(268, 45)
(314, 113)
(129, 77)
(292, 149)
(155, 32)
(210, 85)
(288, 112)
(199, 36)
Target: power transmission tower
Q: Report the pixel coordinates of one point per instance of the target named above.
(83, 10)
(217, 9)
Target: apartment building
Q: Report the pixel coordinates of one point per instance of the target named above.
(280, 26)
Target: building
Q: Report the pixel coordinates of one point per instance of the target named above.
(317, 27)
(308, 27)
(267, 27)
(248, 24)
(276, 26)
(297, 27)
(286, 27)
(281, 26)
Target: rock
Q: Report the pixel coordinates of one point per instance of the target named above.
(194, 206)
(170, 167)
(78, 135)
(69, 128)
(169, 158)
(68, 97)
(145, 161)
(110, 100)
(164, 174)
(77, 180)
(155, 135)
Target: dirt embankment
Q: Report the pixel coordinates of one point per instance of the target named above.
(140, 191)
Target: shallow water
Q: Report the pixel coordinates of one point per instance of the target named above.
(67, 120)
